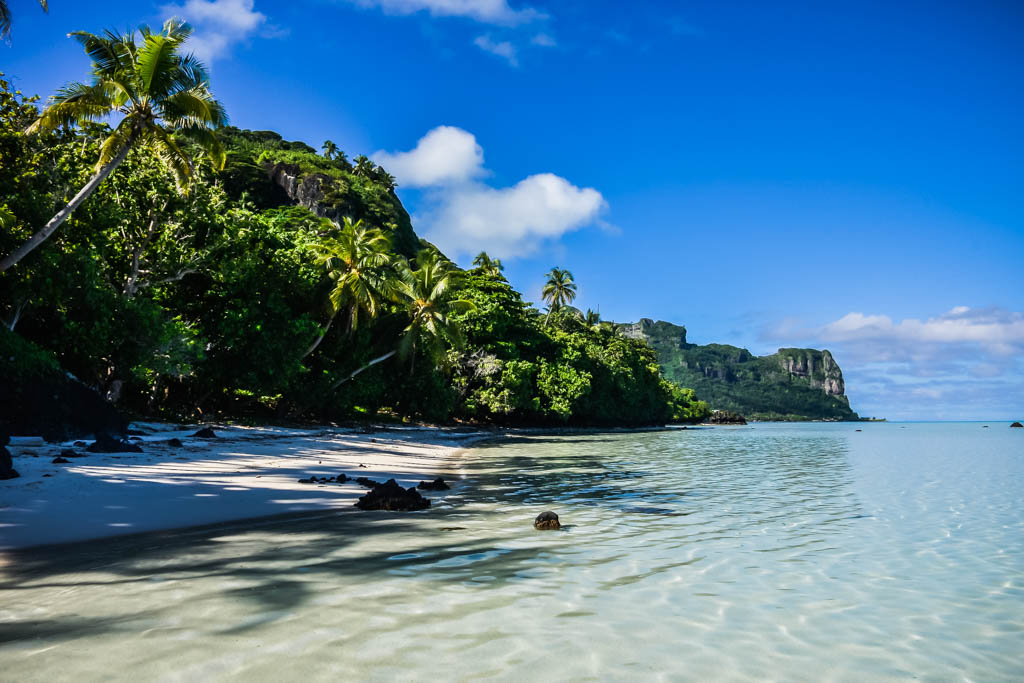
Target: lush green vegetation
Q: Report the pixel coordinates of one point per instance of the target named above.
(788, 385)
(267, 280)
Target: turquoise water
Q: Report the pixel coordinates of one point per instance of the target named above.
(788, 552)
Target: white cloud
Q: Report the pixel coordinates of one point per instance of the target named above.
(543, 40)
(512, 221)
(997, 330)
(967, 363)
(464, 215)
(504, 49)
(444, 155)
(485, 11)
(219, 24)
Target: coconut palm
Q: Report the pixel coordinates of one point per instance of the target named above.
(363, 166)
(155, 89)
(359, 263)
(5, 17)
(330, 149)
(488, 265)
(592, 318)
(559, 290)
(428, 294)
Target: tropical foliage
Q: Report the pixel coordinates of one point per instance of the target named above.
(158, 93)
(242, 297)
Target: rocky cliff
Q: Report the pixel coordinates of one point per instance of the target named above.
(792, 384)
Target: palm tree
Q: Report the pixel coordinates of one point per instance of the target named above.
(5, 17)
(428, 294)
(330, 149)
(358, 262)
(488, 265)
(592, 318)
(559, 290)
(364, 166)
(156, 89)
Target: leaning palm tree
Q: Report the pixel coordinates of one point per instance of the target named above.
(5, 17)
(559, 290)
(428, 294)
(155, 89)
(488, 265)
(330, 150)
(358, 262)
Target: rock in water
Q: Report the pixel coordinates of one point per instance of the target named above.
(367, 482)
(724, 417)
(205, 433)
(1017, 425)
(107, 444)
(391, 496)
(174, 443)
(436, 485)
(60, 461)
(7, 470)
(547, 521)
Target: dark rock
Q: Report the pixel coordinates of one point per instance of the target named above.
(391, 496)
(1017, 425)
(68, 453)
(60, 461)
(174, 443)
(724, 417)
(547, 521)
(205, 433)
(135, 438)
(341, 478)
(368, 483)
(139, 432)
(436, 485)
(80, 444)
(7, 470)
(311, 480)
(107, 444)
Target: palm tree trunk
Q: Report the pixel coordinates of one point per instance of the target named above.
(369, 365)
(319, 339)
(63, 214)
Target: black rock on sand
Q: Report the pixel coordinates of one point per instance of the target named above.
(391, 496)
(107, 444)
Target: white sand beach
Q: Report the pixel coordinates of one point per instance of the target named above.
(246, 472)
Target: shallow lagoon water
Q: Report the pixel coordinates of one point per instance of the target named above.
(789, 552)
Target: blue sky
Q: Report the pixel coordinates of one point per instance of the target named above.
(841, 175)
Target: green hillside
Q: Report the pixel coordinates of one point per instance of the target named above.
(792, 384)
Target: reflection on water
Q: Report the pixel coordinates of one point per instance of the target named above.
(805, 552)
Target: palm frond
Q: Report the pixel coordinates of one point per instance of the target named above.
(172, 157)
(118, 139)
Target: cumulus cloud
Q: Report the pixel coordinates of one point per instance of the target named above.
(997, 330)
(512, 221)
(444, 155)
(957, 365)
(464, 215)
(485, 11)
(503, 49)
(219, 24)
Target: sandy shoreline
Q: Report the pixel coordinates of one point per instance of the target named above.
(247, 472)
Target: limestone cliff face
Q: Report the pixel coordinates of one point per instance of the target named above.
(358, 198)
(792, 384)
(307, 191)
(818, 367)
